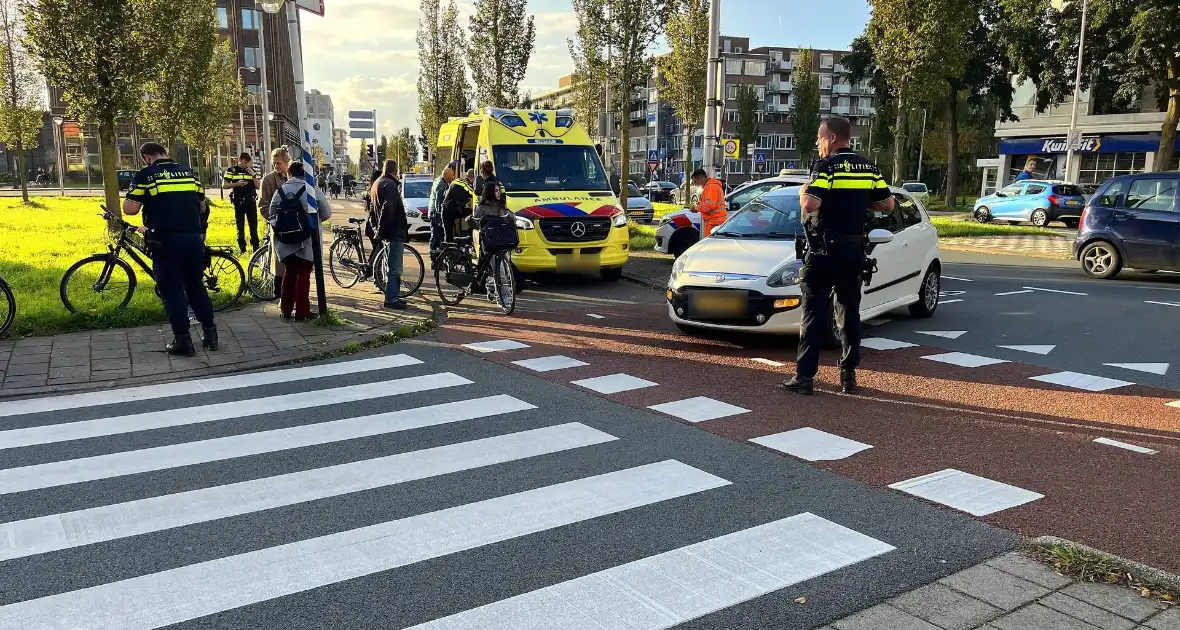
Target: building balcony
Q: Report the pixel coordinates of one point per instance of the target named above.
(862, 111)
(780, 86)
(840, 69)
(841, 88)
(838, 110)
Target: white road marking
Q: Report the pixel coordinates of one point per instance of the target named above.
(1016, 292)
(65, 472)
(1124, 445)
(498, 345)
(205, 588)
(949, 301)
(963, 359)
(1175, 403)
(595, 316)
(881, 343)
(1087, 382)
(954, 278)
(975, 495)
(614, 383)
(699, 409)
(86, 527)
(768, 362)
(1161, 303)
(676, 586)
(1035, 349)
(946, 334)
(1152, 368)
(1055, 291)
(48, 434)
(812, 445)
(549, 364)
(200, 386)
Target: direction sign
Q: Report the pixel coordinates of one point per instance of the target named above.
(360, 124)
(360, 133)
(364, 114)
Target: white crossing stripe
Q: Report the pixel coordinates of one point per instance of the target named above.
(200, 386)
(881, 343)
(1161, 303)
(1151, 368)
(1021, 292)
(83, 429)
(614, 383)
(962, 359)
(1055, 291)
(812, 445)
(975, 495)
(946, 334)
(550, 364)
(959, 279)
(1125, 445)
(767, 362)
(1174, 403)
(1035, 349)
(194, 591)
(595, 316)
(949, 301)
(1087, 382)
(671, 588)
(496, 346)
(61, 473)
(699, 409)
(85, 527)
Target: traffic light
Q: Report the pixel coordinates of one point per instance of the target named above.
(369, 148)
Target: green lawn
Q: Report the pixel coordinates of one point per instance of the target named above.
(643, 237)
(948, 228)
(42, 240)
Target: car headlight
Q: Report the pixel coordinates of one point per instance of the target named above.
(786, 275)
(523, 223)
(619, 219)
(678, 266)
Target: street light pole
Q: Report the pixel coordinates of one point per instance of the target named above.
(708, 157)
(242, 116)
(1071, 139)
(922, 145)
(269, 8)
(59, 140)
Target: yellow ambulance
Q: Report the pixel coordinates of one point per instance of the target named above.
(567, 216)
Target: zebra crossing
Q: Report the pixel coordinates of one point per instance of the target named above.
(426, 489)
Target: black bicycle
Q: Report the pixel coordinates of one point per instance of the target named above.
(7, 307)
(349, 261)
(260, 278)
(457, 274)
(106, 282)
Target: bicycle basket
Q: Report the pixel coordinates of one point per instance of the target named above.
(497, 236)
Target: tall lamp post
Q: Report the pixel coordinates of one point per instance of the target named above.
(269, 7)
(1071, 138)
(242, 116)
(713, 104)
(922, 145)
(59, 140)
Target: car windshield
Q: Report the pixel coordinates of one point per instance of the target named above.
(772, 217)
(914, 188)
(416, 188)
(633, 191)
(549, 167)
(1068, 189)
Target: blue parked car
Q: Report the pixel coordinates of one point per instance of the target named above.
(1131, 221)
(1036, 201)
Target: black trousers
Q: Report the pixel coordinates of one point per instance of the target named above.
(836, 273)
(246, 211)
(178, 263)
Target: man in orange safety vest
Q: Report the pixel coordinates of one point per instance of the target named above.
(712, 201)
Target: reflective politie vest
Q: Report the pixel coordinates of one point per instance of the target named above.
(846, 183)
(172, 198)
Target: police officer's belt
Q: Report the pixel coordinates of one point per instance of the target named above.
(843, 239)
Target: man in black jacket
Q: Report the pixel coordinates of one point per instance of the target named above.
(458, 203)
(392, 227)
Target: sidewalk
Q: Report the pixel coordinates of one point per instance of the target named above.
(1015, 592)
(1055, 247)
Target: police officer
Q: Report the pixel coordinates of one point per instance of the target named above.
(244, 186)
(843, 187)
(458, 204)
(171, 196)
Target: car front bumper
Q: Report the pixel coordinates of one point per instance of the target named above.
(767, 311)
(535, 254)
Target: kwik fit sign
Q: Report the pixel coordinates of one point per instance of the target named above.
(1061, 145)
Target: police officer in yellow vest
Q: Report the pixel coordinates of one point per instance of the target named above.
(171, 198)
(244, 184)
(836, 201)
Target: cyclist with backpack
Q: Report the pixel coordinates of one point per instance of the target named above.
(291, 229)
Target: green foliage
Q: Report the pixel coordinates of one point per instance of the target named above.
(747, 110)
(804, 114)
(21, 109)
(402, 149)
(682, 71)
(175, 89)
(502, 38)
(443, 90)
(218, 100)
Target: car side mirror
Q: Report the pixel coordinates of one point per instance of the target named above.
(880, 237)
(1000, 194)
(734, 206)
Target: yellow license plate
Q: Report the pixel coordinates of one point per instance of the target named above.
(719, 303)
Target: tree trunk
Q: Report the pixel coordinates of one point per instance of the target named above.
(898, 138)
(110, 167)
(23, 174)
(952, 151)
(1167, 149)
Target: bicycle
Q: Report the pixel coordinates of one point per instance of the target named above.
(260, 278)
(349, 261)
(7, 307)
(92, 284)
(455, 267)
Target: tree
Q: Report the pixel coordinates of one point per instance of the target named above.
(221, 97)
(317, 157)
(804, 113)
(630, 29)
(443, 90)
(401, 149)
(747, 124)
(21, 115)
(382, 150)
(525, 102)
(916, 44)
(175, 89)
(99, 53)
(502, 38)
(682, 71)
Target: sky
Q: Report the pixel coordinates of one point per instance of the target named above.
(363, 52)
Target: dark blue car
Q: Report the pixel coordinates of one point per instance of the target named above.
(1131, 221)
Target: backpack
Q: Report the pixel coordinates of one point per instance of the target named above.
(292, 225)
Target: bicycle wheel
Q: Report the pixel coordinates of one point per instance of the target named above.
(380, 267)
(259, 277)
(413, 271)
(225, 280)
(342, 263)
(452, 276)
(7, 307)
(504, 278)
(97, 284)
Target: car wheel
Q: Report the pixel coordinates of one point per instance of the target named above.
(1101, 260)
(982, 214)
(1039, 218)
(928, 294)
(681, 241)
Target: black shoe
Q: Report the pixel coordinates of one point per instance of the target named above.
(848, 381)
(209, 338)
(182, 346)
(397, 305)
(285, 318)
(799, 385)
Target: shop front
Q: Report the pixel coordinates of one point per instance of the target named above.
(1096, 157)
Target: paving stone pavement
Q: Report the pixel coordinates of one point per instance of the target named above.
(1037, 246)
(1014, 592)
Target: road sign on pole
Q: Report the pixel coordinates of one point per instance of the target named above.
(760, 162)
(732, 148)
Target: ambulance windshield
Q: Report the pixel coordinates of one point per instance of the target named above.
(549, 167)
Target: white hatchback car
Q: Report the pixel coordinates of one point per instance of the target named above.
(416, 192)
(745, 276)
